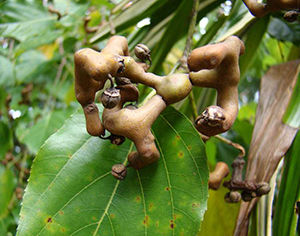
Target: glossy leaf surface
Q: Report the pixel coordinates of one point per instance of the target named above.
(71, 190)
(285, 220)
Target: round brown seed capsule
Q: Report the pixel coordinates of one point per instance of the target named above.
(110, 97)
(262, 188)
(119, 171)
(291, 16)
(247, 197)
(233, 197)
(142, 52)
(122, 80)
(117, 139)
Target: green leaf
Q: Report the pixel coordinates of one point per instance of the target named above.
(24, 20)
(71, 190)
(284, 31)
(181, 19)
(132, 15)
(285, 219)
(6, 141)
(28, 65)
(36, 135)
(252, 43)
(6, 68)
(219, 209)
(31, 43)
(213, 28)
(171, 35)
(292, 114)
(6, 189)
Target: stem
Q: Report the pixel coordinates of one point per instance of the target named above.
(149, 96)
(176, 66)
(191, 31)
(183, 61)
(193, 105)
(111, 25)
(111, 80)
(23, 163)
(235, 145)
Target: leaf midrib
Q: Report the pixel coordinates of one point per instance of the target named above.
(112, 196)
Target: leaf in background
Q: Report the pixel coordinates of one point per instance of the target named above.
(285, 219)
(237, 18)
(284, 31)
(292, 114)
(6, 138)
(36, 135)
(71, 190)
(30, 65)
(181, 20)
(171, 35)
(244, 129)
(252, 43)
(6, 189)
(213, 28)
(73, 13)
(7, 73)
(32, 43)
(130, 16)
(22, 21)
(218, 209)
(271, 138)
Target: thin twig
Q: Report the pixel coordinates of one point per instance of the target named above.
(11, 48)
(175, 67)
(23, 167)
(52, 10)
(187, 49)
(149, 96)
(88, 29)
(193, 105)
(188, 44)
(111, 25)
(235, 145)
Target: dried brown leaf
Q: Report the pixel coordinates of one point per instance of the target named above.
(271, 138)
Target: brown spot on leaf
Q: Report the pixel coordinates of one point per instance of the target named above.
(172, 224)
(146, 221)
(151, 206)
(49, 220)
(138, 199)
(63, 229)
(61, 212)
(94, 218)
(167, 188)
(189, 147)
(112, 216)
(177, 137)
(180, 154)
(196, 205)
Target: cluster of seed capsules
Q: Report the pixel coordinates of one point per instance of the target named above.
(214, 66)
